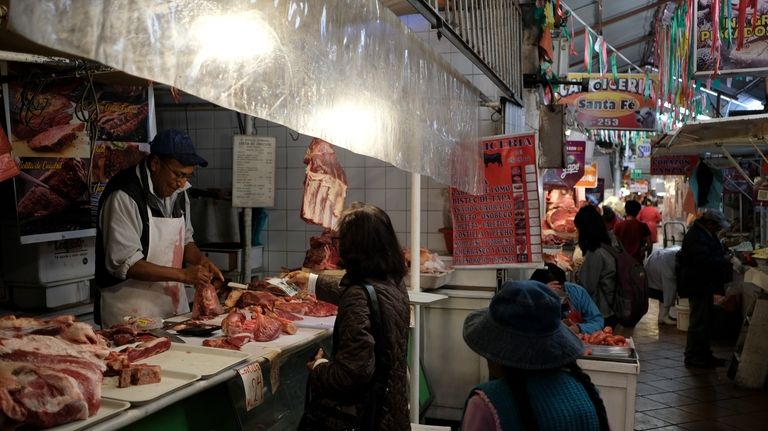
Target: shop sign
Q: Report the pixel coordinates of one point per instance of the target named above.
(636, 174)
(639, 186)
(625, 104)
(503, 225)
(734, 182)
(589, 180)
(644, 149)
(673, 165)
(751, 57)
(574, 167)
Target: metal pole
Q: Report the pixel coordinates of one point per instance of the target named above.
(245, 276)
(416, 287)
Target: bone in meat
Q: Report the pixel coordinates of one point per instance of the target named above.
(325, 185)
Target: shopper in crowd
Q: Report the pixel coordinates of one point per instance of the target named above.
(598, 271)
(144, 236)
(704, 268)
(662, 281)
(580, 313)
(535, 381)
(633, 235)
(370, 254)
(650, 215)
(609, 217)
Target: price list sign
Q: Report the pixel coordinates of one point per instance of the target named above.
(503, 225)
(253, 171)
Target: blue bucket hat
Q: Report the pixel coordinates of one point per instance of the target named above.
(178, 145)
(522, 329)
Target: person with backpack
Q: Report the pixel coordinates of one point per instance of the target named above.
(598, 271)
(703, 268)
(535, 381)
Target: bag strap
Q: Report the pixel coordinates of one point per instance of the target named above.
(373, 301)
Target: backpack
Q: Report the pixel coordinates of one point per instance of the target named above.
(630, 298)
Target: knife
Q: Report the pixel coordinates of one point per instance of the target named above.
(159, 332)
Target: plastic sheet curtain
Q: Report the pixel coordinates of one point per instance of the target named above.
(346, 71)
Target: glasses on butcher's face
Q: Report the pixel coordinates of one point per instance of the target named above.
(178, 175)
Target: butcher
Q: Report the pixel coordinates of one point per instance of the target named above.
(144, 247)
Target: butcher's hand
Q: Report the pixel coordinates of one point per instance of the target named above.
(197, 275)
(212, 269)
(299, 278)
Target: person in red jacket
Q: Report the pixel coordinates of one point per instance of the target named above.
(633, 234)
(651, 216)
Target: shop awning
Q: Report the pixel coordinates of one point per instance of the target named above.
(735, 136)
(347, 72)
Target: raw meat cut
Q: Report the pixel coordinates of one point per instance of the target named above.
(232, 324)
(429, 263)
(220, 343)
(147, 349)
(139, 374)
(560, 198)
(47, 380)
(56, 138)
(325, 185)
(256, 297)
(206, 303)
(286, 325)
(263, 327)
(286, 314)
(298, 307)
(561, 220)
(322, 309)
(322, 253)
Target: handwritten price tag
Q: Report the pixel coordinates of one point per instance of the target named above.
(253, 385)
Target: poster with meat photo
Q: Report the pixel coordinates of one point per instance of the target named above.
(44, 121)
(123, 113)
(109, 158)
(52, 197)
(502, 226)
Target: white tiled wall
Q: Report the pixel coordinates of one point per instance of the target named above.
(286, 236)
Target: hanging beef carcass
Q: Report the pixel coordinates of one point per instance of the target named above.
(325, 185)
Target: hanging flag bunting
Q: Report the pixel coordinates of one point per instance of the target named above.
(587, 51)
(572, 48)
(741, 24)
(604, 48)
(754, 14)
(613, 67)
(729, 8)
(597, 47)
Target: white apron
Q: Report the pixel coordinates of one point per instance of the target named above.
(157, 299)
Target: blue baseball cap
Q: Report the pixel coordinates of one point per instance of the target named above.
(178, 145)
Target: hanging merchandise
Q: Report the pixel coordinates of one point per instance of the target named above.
(714, 26)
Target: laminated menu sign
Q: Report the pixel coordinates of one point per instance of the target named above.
(503, 225)
(253, 171)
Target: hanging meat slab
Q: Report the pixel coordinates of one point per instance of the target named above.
(325, 185)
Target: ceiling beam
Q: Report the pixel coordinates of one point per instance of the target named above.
(625, 15)
(624, 45)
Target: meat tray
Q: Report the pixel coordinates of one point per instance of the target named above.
(610, 353)
(200, 360)
(142, 394)
(108, 409)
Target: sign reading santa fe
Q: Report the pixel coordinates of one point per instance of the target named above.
(624, 104)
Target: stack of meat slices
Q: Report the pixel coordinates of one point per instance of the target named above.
(51, 371)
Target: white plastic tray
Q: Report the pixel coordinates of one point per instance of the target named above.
(108, 409)
(315, 322)
(142, 394)
(431, 281)
(201, 360)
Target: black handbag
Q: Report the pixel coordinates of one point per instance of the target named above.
(335, 414)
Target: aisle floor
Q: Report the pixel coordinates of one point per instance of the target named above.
(672, 397)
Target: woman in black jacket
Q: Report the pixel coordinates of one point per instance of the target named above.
(371, 254)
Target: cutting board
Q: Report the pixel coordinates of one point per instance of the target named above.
(108, 409)
(203, 361)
